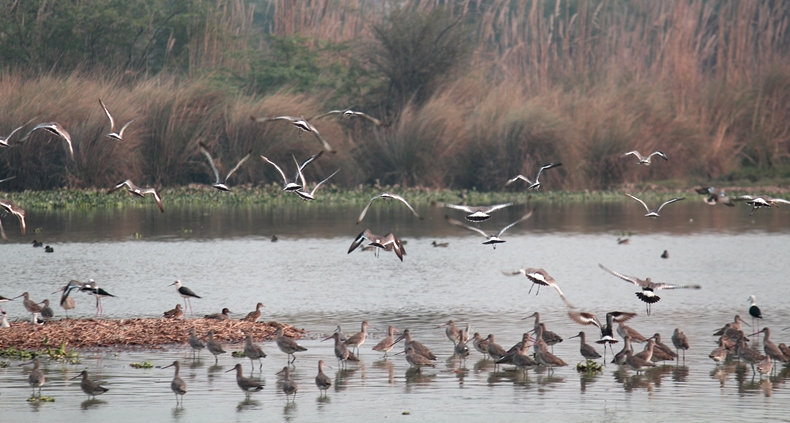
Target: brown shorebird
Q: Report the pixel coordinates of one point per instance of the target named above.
(542, 354)
(177, 385)
(253, 352)
(607, 330)
(491, 238)
(720, 353)
(195, 342)
(140, 192)
(225, 315)
(748, 355)
(221, 185)
(460, 349)
(12, 208)
(451, 331)
(387, 242)
(289, 386)
(540, 278)
(619, 358)
(519, 355)
(646, 160)
(647, 353)
(733, 326)
(31, 306)
(681, 342)
(348, 113)
(387, 196)
(417, 360)
(475, 214)
(785, 350)
(637, 364)
(175, 313)
(536, 184)
(386, 344)
(587, 351)
(341, 350)
(118, 136)
(769, 347)
(187, 294)
(765, 366)
(246, 384)
(494, 350)
(480, 344)
(648, 287)
(549, 337)
(89, 387)
(213, 346)
(295, 185)
(625, 330)
(253, 316)
(356, 340)
(288, 345)
(322, 381)
(36, 378)
(654, 213)
(300, 123)
(758, 202)
(46, 312)
(419, 348)
(54, 128)
(663, 347)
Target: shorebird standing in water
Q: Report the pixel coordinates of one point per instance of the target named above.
(253, 352)
(293, 186)
(186, 293)
(322, 381)
(118, 136)
(654, 213)
(646, 160)
(386, 344)
(647, 295)
(246, 384)
(681, 342)
(541, 278)
(289, 386)
(36, 378)
(177, 385)
(12, 208)
(536, 184)
(755, 312)
(300, 123)
(287, 345)
(607, 330)
(140, 192)
(222, 186)
(387, 196)
(491, 238)
(91, 388)
(348, 113)
(476, 214)
(55, 129)
(92, 288)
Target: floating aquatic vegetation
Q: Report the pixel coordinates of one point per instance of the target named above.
(4, 364)
(589, 367)
(238, 354)
(57, 354)
(143, 365)
(41, 399)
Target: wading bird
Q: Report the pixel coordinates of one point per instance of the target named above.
(186, 293)
(607, 330)
(541, 278)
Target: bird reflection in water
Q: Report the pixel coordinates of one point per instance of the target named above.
(387, 366)
(91, 403)
(247, 404)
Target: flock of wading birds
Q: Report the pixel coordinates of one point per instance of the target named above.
(732, 341)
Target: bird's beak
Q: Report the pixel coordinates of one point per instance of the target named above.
(59, 290)
(167, 366)
(17, 297)
(75, 377)
(402, 352)
(280, 372)
(328, 338)
(228, 371)
(570, 337)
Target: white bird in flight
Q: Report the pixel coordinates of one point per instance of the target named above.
(222, 186)
(118, 136)
(654, 213)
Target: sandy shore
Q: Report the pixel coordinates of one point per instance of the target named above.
(132, 333)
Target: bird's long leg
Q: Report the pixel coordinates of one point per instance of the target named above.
(530, 289)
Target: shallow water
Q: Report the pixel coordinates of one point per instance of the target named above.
(308, 279)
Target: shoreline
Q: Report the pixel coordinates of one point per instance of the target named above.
(133, 334)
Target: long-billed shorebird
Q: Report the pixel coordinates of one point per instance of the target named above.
(607, 330)
(532, 184)
(542, 354)
(91, 388)
(681, 342)
(586, 350)
(31, 306)
(322, 381)
(418, 347)
(521, 358)
(36, 377)
(451, 331)
(494, 350)
(310, 195)
(646, 160)
(541, 278)
(253, 316)
(224, 315)
(491, 238)
(769, 347)
(140, 192)
(386, 344)
(46, 312)
(348, 113)
(246, 384)
(177, 385)
(12, 208)
(300, 123)
(195, 342)
(223, 185)
(415, 359)
(387, 242)
(480, 344)
(748, 355)
(253, 352)
(654, 213)
(65, 299)
(356, 340)
(387, 196)
(461, 349)
(55, 129)
(549, 337)
(664, 348)
(118, 136)
(760, 201)
(620, 357)
(625, 330)
(475, 214)
(213, 346)
(342, 353)
(287, 345)
(647, 295)
(289, 386)
(755, 312)
(187, 294)
(637, 364)
(175, 313)
(295, 185)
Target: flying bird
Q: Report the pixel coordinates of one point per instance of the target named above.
(118, 136)
(387, 242)
(648, 287)
(4, 141)
(222, 186)
(140, 192)
(387, 196)
(491, 238)
(300, 123)
(476, 214)
(55, 129)
(536, 184)
(654, 213)
(646, 160)
(307, 196)
(293, 186)
(541, 278)
(758, 202)
(12, 208)
(348, 113)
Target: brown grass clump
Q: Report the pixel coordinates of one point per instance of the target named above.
(124, 333)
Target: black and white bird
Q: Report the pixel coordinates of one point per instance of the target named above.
(4, 141)
(222, 186)
(387, 196)
(654, 213)
(118, 136)
(293, 186)
(92, 288)
(348, 113)
(187, 294)
(758, 202)
(536, 184)
(309, 196)
(607, 330)
(476, 214)
(646, 160)
(140, 192)
(9, 207)
(755, 312)
(491, 238)
(55, 129)
(649, 287)
(541, 278)
(300, 123)
(387, 242)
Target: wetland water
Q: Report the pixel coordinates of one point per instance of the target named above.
(307, 279)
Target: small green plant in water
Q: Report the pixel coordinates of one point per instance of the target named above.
(62, 354)
(15, 354)
(589, 367)
(41, 399)
(4, 364)
(238, 354)
(143, 365)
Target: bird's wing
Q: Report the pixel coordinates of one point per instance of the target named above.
(704, 190)
(744, 198)
(457, 207)
(657, 286)
(315, 188)
(285, 181)
(359, 240)
(516, 178)
(120, 133)
(514, 272)
(157, 198)
(402, 200)
(204, 150)
(621, 316)
(127, 183)
(633, 280)
(2, 231)
(331, 112)
(659, 154)
(669, 202)
(310, 160)
(781, 200)
(299, 173)
(494, 208)
(584, 318)
(109, 116)
(523, 218)
(13, 132)
(643, 203)
(327, 147)
(7, 179)
(548, 166)
(370, 118)
(562, 296)
(365, 210)
(461, 225)
(635, 153)
(238, 165)
(269, 119)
